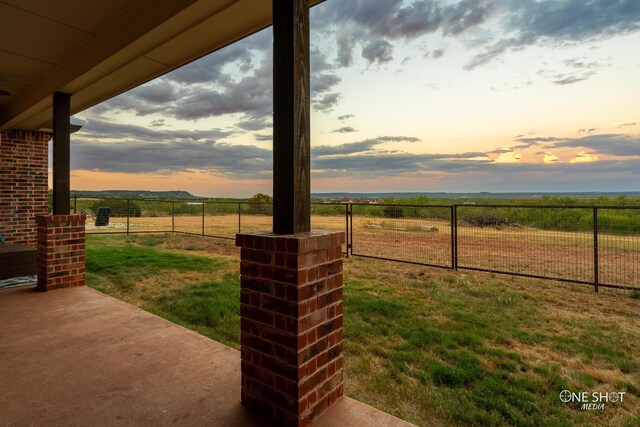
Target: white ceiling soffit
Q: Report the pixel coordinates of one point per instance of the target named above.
(95, 52)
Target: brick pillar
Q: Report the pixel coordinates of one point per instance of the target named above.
(23, 184)
(291, 323)
(60, 251)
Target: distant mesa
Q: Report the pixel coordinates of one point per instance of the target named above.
(138, 194)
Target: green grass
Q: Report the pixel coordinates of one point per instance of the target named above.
(431, 347)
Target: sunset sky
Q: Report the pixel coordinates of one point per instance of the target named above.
(457, 96)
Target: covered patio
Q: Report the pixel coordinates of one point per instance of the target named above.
(76, 357)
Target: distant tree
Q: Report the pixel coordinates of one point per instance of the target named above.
(260, 204)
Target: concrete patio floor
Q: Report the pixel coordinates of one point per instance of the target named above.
(78, 357)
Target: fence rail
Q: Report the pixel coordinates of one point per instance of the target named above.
(592, 245)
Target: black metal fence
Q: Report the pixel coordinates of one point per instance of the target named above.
(592, 245)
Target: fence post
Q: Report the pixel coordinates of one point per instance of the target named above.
(75, 204)
(346, 227)
(173, 217)
(454, 237)
(351, 228)
(596, 272)
(202, 219)
(127, 217)
(239, 218)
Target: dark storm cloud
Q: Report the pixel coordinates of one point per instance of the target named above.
(373, 25)
(379, 51)
(344, 129)
(358, 147)
(255, 124)
(611, 144)
(172, 156)
(252, 95)
(209, 68)
(396, 164)
(95, 129)
(558, 22)
(536, 140)
(322, 83)
(158, 92)
(326, 102)
(262, 137)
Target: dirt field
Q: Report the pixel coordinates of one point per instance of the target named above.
(563, 255)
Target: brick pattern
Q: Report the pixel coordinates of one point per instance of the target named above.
(291, 323)
(23, 184)
(61, 256)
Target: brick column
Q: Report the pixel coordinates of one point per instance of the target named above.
(291, 323)
(61, 262)
(23, 184)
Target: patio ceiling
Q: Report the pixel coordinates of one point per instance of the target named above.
(96, 50)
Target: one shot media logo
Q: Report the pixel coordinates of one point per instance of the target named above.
(592, 401)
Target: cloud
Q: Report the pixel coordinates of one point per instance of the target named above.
(241, 161)
(262, 137)
(608, 144)
(323, 83)
(327, 102)
(345, 117)
(628, 124)
(344, 129)
(374, 25)
(379, 51)
(102, 130)
(567, 79)
(254, 124)
(509, 157)
(583, 157)
(358, 147)
(556, 23)
(550, 158)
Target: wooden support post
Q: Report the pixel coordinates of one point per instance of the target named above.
(291, 118)
(61, 153)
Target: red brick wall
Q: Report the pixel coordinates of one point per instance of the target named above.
(61, 255)
(291, 324)
(23, 184)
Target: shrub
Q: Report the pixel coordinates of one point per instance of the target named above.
(260, 204)
(393, 212)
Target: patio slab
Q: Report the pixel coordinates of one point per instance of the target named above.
(78, 357)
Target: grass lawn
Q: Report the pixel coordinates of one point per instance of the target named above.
(430, 346)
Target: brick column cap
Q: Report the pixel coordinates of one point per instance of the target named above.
(298, 243)
(60, 219)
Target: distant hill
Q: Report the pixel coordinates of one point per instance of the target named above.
(137, 194)
(480, 195)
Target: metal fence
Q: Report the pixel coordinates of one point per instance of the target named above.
(592, 245)
(218, 219)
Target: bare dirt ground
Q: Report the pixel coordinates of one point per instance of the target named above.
(556, 254)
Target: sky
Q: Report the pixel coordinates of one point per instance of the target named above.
(416, 96)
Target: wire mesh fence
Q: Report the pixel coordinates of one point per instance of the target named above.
(618, 236)
(417, 234)
(595, 245)
(499, 239)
